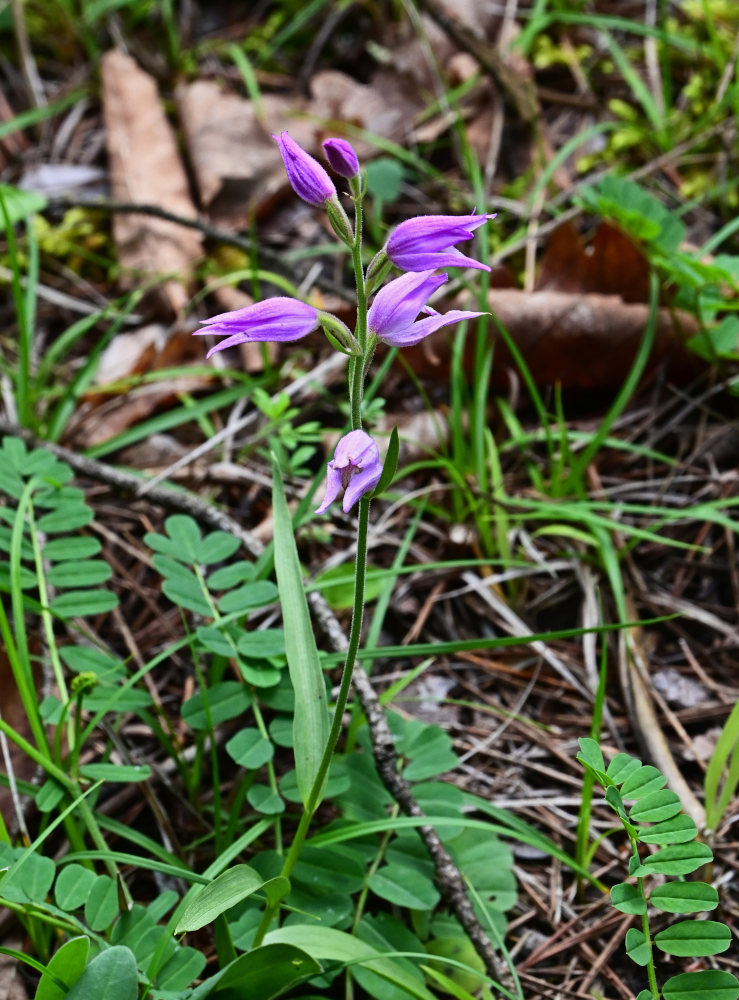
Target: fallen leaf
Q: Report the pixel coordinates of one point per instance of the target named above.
(579, 341)
(384, 106)
(146, 169)
(236, 161)
(611, 264)
(102, 416)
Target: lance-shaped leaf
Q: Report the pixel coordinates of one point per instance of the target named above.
(310, 722)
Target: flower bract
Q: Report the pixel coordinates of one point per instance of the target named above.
(356, 468)
(392, 315)
(307, 177)
(428, 241)
(280, 318)
(341, 157)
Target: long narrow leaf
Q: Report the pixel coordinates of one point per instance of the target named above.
(310, 722)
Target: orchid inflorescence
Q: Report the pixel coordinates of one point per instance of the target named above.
(418, 246)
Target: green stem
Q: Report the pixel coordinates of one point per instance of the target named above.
(651, 973)
(357, 369)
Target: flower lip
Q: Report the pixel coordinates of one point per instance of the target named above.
(341, 157)
(307, 177)
(279, 319)
(428, 241)
(397, 304)
(356, 468)
(392, 315)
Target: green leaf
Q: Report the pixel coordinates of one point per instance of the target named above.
(19, 204)
(229, 576)
(72, 887)
(459, 949)
(81, 659)
(185, 533)
(337, 946)
(80, 573)
(265, 973)
(310, 723)
(682, 859)
(684, 897)
(179, 971)
(678, 830)
(591, 757)
(251, 595)
(262, 643)
(250, 749)
(226, 700)
(182, 586)
(694, 938)
(216, 547)
(644, 781)
(385, 178)
(49, 795)
(101, 906)
(71, 548)
(330, 869)
(67, 964)
(708, 984)
(116, 772)
(645, 995)
(340, 594)
(83, 603)
(627, 898)
(404, 887)
(29, 878)
(637, 946)
(622, 765)
(66, 517)
(389, 465)
(265, 801)
(111, 975)
(225, 891)
(430, 751)
(216, 639)
(656, 807)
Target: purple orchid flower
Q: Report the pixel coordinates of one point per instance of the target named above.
(307, 177)
(428, 242)
(392, 315)
(279, 318)
(356, 467)
(341, 157)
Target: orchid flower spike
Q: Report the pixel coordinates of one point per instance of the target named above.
(392, 315)
(355, 467)
(307, 177)
(341, 157)
(279, 318)
(428, 242)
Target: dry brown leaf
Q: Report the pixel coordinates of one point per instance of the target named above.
(611, 263)
(102, 417)
(237, 164)
(387, 105)
(580, 341)
(146, 169)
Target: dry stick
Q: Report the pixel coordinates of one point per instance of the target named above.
(448, 877)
